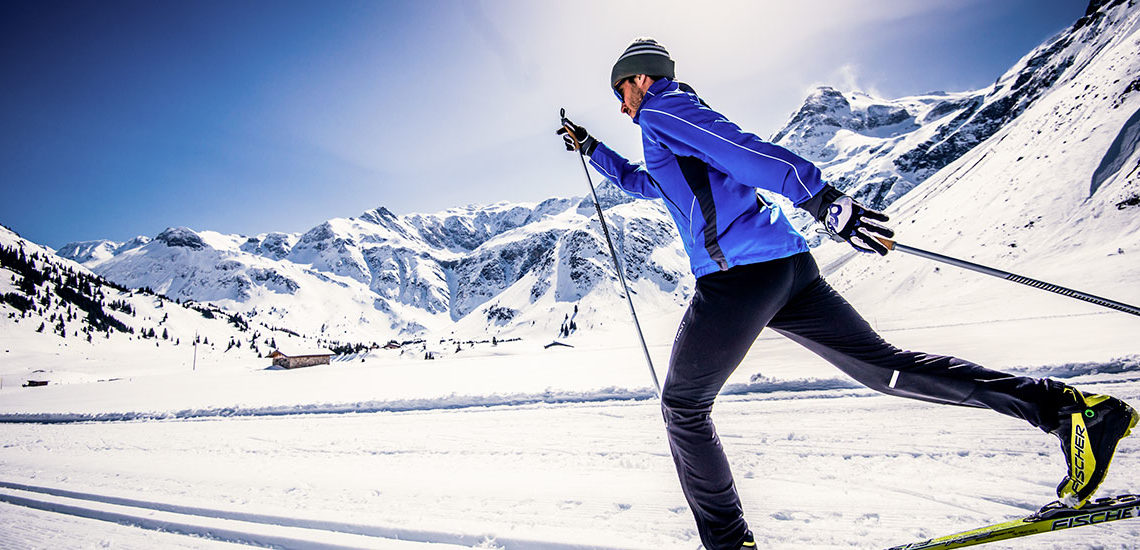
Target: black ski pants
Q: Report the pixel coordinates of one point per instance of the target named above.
(727, 313)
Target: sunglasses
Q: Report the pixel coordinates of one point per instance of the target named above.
(617, 89)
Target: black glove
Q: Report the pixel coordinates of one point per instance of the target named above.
(582, 137)
(844, 217)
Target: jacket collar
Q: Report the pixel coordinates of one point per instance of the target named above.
(659, 87)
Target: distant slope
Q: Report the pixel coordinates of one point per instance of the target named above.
(499, 270)
(879, 149)
(1054, 194)
(59, 322)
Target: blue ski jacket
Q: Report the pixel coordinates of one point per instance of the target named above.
(707, 169)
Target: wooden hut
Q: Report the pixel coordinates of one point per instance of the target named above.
(293, 359)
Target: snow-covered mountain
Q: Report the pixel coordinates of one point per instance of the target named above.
(879, 149)
(59, 316)
(873, 148)
(1007, 159)
(1053, 194)
(95, 251)
(480, 271)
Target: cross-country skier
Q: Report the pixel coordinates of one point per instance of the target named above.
(754, 270)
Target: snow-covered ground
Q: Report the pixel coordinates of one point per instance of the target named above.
(515, 446)
(521, 447)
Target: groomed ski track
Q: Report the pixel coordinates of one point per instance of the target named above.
(814, 472)
(244, 528)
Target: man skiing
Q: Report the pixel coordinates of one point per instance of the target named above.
(754, 270)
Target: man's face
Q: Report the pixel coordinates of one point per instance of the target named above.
(631, 92)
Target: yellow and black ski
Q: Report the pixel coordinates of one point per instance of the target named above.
(1053, 517)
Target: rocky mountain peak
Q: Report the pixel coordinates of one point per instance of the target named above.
(380, 216)
(1097, 6)
(181, 237)
(824, 106)
(879, 149)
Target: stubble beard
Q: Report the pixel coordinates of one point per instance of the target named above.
(636, 95)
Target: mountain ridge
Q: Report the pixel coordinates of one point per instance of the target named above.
(508, 268)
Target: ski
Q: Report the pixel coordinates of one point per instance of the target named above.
(1052, 517)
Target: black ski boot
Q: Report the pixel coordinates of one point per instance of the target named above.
(1090, 427)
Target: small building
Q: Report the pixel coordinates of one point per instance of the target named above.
(294, 359)
(392, 344)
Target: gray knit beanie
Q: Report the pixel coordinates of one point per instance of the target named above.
(643, 56)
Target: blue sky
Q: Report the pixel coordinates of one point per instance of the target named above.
(120, 119)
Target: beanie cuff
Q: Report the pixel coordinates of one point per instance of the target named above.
(646, 64)
(644, 56)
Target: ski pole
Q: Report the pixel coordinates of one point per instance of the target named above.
(613, 254)
(892, 245)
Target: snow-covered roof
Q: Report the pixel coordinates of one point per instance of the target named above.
(300, 352)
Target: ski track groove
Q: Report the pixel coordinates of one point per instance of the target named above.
(774, 442)
(130, 520)
(141, 520)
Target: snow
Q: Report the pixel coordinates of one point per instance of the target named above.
(289, 351)
(1022, 203)
(89, 251)
(26, 527)
(514, 446)
(381, 276)
(506, 444)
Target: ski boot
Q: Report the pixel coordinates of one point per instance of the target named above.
(749, 543)
(1090, 427)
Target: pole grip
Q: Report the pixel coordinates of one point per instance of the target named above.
(889, 244)
(570, 130)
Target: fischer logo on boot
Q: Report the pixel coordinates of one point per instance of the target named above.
(1083, 459)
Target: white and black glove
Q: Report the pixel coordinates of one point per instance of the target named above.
(574, 136)
(849, 220)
